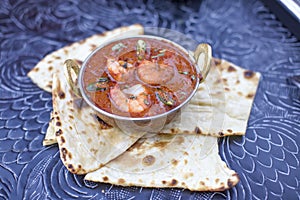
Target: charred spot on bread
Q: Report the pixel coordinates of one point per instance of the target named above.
(121, 181)
(249, 96)
(61, 95)
(174, 162)
(173, 182)
(249, 74)
(217, 61)
(148, 160)
(62, 139)
(198, 130)
(231, 69)
(233, 181)
(71, 168)
(58, 132)
(64, 153)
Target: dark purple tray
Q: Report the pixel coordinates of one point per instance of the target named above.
(288, 12)
(243, 32)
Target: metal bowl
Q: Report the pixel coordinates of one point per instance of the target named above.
(202, 59)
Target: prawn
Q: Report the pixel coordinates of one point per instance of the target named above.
(154, 73)
(133, 100)
(117, 69)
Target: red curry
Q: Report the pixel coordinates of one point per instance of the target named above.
(139, 77)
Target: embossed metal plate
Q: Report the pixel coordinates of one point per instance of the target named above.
(243, 32)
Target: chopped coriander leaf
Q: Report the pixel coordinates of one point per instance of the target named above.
(100, 85)
(193, 77)
(103, 79)
(140, 49)
(165, 98)
(185, 72)
(146, 102)
(132, 97)
(158, 55)
(93, 87)
(118, 47)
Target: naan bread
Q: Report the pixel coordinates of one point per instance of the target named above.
(42, 73)
(83, 145)
(163, 160)
(183, 158)
(222, 104)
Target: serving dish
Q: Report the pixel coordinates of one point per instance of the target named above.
(168, 101)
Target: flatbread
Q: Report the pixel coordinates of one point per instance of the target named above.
(222, 104)
(186, 157)
(42, 73)
(163, 160)
(83, 145)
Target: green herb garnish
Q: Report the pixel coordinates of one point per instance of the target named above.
(100, 85)
(158, 55)
(140, 49)
(93, 87)
(161, 53)
(132, 97)
(193, 77)
(185, 72)
(169, 103)
(103, 79)
(146, 102)
(118, 47)
(165, 98)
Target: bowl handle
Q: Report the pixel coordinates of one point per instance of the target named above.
(203, 56)
(71, 67)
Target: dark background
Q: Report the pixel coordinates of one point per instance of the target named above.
(244, 32)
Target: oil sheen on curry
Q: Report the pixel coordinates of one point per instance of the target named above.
(139, 77)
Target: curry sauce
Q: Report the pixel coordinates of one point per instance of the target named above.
(139, 77)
